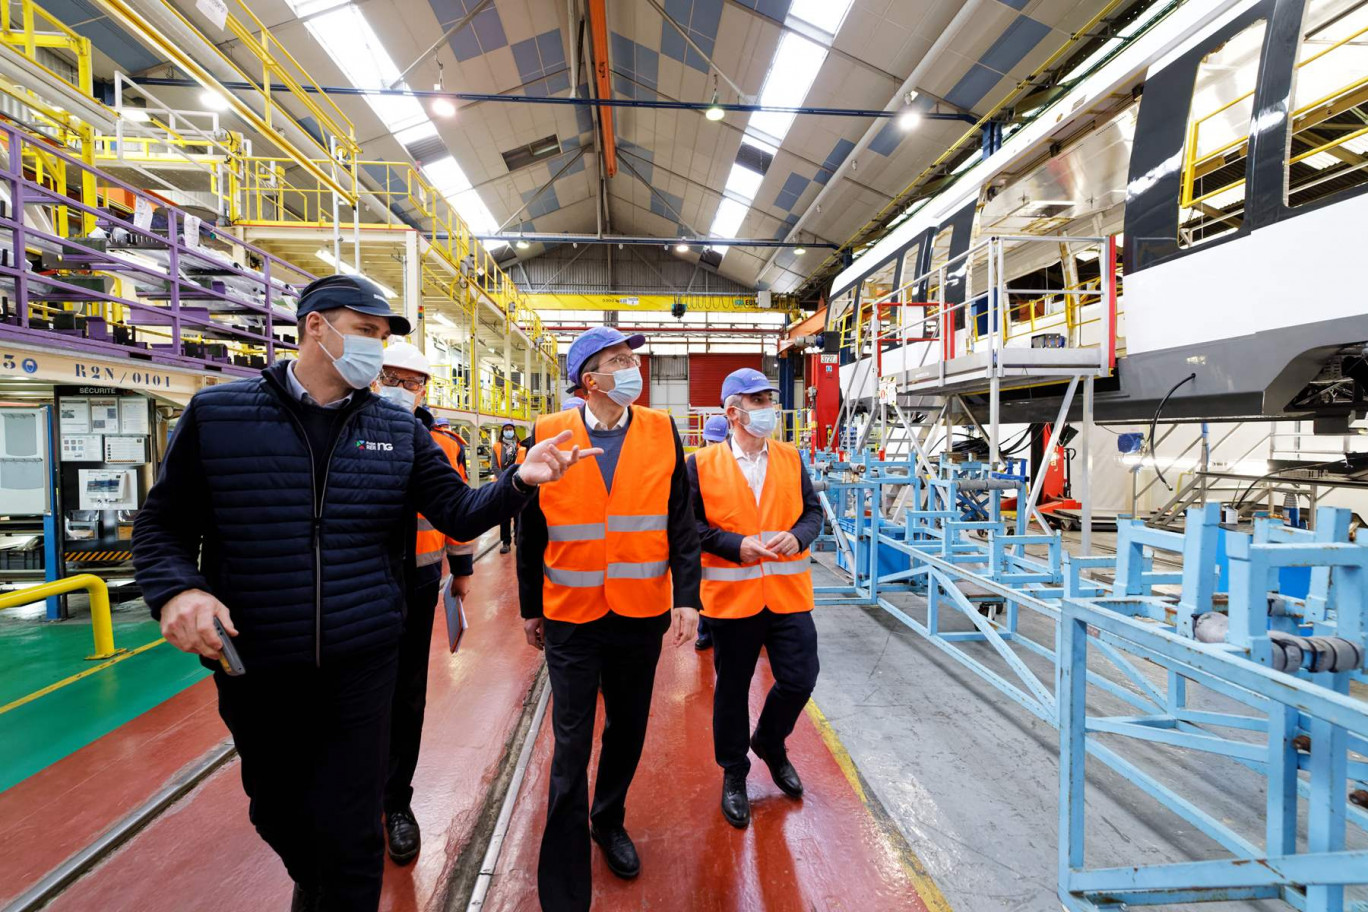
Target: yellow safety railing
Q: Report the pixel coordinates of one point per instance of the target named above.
(270, 199)
(101, 620)
(37, 28)
(1197, 165)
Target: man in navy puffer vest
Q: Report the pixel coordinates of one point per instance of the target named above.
(283, 511)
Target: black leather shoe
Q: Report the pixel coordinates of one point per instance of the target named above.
(504, 549)
(783, 773)
(735, 803)
(404, 840)
(704, 640)
(618, 851)
(306, 899)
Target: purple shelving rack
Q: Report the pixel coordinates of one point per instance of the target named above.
(183, 305)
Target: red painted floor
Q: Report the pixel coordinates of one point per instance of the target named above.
(824, 852)
(204, 854)
(60, 810)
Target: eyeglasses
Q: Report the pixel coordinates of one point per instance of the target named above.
(413, 386)
(621, 362)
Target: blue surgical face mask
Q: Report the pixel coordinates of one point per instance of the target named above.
(400, 397)
(762, 422)
(508, 435)
(361, 360)
(626, 386)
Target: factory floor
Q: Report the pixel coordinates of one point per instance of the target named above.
(927, 789)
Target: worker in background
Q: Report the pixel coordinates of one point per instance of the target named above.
(403, 381)
(283, 510)
(504, 455)
(714, 432)
(757, 514)
(608, 562)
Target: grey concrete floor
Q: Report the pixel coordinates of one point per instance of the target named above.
(972, 779)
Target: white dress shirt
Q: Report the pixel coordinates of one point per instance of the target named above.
(596, 423)
(300, 393)
(753, 467)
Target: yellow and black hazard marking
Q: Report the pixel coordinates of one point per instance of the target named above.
(102, 556)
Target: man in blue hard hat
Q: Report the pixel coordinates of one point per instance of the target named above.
(757, 584)
(283, 512)
(607, 564)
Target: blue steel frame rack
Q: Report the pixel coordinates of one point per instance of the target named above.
(1148, 626)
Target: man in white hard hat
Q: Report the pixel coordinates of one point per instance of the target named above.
(403, 380)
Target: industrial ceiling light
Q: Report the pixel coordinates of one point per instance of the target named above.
(522, 243)
(799, 251)
(213, 100)
(681, 247)
(714, 111)
(909, 118)
(442, 107)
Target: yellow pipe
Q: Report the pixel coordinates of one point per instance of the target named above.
(101, 621)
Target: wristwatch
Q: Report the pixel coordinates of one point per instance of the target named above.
(521, 486)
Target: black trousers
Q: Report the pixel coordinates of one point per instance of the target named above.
(410, 688)
(791, 642)
(313, 744)
(618, 655)
(506, 528)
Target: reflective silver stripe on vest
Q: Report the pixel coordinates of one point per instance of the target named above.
(427, 560)
(577, 579)
(580, 532)
(649, 570)
(732, 574)
(649, 523)
(424, 525)
(786, 568)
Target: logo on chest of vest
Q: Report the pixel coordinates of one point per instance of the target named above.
(374, 446)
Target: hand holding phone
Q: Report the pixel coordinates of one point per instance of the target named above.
(228, 657)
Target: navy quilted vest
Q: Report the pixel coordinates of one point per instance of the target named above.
(304, 588)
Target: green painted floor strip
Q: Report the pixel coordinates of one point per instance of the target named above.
(34, 655)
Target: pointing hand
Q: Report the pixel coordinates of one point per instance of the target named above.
(546, 462)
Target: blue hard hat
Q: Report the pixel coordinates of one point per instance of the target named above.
(715, 429)
(746, 380)
(590, 343)
(571, 402)
(353, 292)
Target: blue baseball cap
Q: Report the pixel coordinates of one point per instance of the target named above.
(746, 380)
(590, 343)
(571, 402)
(715, 429)
(353, 292)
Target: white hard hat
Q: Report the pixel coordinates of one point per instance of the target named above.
(406, 356)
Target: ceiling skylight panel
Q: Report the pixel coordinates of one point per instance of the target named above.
(727, 222)
(790, 77)
(358, 52)
(744, 182)
(826, 15)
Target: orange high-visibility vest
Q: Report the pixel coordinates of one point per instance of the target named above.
(608, 550)
(432, 544)
(733, 590)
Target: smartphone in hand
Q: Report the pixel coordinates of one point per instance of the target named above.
(228, 657)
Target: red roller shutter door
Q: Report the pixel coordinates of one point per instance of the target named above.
(706, 373)
(645, 381)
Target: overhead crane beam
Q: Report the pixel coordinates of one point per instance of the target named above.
(603, 81)
(653, 303)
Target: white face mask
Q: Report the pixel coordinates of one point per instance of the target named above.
(361, 360)
(399, 396)
(762, 421)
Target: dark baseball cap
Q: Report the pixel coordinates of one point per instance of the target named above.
(353, 292)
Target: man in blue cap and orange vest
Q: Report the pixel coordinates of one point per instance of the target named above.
(283, 511)
(608, 561)
(757, 514)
